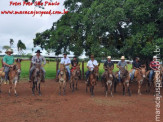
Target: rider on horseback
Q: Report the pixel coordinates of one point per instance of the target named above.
(135, 65)
(8, 61)
(74, 63)
(121, 64)
(37, 59)
(108, 64)
(154, 66)
(90, 65)
(66, 61)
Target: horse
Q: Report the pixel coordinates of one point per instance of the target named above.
(125, 78)
(36, 78)
(2, 77)
(75, 77)
(14, 76)
(93, 77)
(62, 79)
(139, 76)
(108, 80)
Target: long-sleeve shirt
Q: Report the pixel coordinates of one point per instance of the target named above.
(38, 60)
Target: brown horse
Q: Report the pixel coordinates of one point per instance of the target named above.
(14, 75)
(93, 76)
(75, 77)
(125, 78)
(2, 77)
(108, 80)
(62, 79)
(139, 76)
(36, 78)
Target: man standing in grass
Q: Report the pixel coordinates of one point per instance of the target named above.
(8, 61)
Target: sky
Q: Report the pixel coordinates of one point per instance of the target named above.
(24, 27)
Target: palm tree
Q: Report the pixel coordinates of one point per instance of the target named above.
(11, 42)
(21, 46)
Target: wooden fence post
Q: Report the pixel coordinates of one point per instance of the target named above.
(57, 66)
(83, 70)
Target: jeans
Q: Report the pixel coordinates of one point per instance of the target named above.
(151, 75)
(119, 77)
(132, 74)
(87, 74)
(31, 71)
(6, 70)
(68, 70)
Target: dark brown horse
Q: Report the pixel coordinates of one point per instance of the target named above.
(36, 78)
(93, 77)
(14, 76)
(75, 74)
(125, 78)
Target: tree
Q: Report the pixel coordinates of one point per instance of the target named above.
(21, 46)
(11, 42)
(107, 27)
(6, 47)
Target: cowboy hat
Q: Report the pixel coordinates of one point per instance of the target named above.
(154, 56)
(123, 57)
(9, 50)
(109, 57)
(38, 51)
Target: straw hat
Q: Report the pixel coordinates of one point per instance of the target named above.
(109, 57)
(123, 57)
(9, 50)
(154, 56)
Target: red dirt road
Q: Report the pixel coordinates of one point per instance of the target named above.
(77, 106)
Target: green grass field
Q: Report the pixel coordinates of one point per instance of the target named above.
(51, 69)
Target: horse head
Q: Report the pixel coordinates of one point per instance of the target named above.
(143, 71)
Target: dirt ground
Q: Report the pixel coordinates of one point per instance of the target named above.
(76, 107)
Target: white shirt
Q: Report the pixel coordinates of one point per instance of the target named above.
(91, 64)
(65, 61)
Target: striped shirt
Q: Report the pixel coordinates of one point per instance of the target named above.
(38, 60)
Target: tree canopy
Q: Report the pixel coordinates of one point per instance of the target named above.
(107, 27)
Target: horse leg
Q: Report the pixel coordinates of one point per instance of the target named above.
(39, 88)
(33, 88)
(115, 85)
(86, 89)
(10, 89)
(64, 88)
(76, 84)
(92, 90)
(139, 86)
(123, 90)
(15, 88)
(106, 90)
(111, 86)
(129, 92)
(59, 88)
